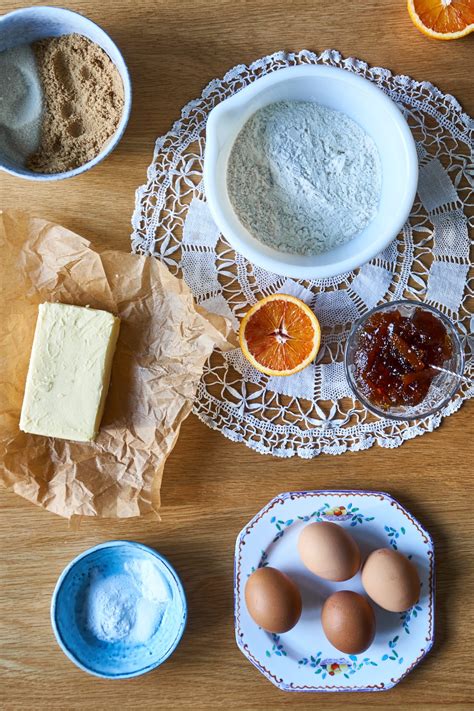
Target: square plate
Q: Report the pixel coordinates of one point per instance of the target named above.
(303, 659)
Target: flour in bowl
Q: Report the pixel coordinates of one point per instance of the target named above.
(303, 178)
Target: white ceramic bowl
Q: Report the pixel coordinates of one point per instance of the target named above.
(343, 91)
(33, 23)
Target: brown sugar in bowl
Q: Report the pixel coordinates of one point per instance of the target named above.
(31, 24)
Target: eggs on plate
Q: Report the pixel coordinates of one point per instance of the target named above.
(348, 621)
(329, 551)
(273, 600)
(391, 580)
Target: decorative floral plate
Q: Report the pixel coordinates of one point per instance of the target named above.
(303, 659)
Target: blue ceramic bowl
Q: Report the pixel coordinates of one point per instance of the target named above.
(118, 659)
(29, 24)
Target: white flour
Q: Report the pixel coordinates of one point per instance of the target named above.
(126, 606)
(303, 178)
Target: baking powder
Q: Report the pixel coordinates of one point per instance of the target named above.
(127, 606)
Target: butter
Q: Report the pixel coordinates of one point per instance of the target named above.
(69, 372)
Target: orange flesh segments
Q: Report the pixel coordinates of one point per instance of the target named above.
(443, 17)
(280, 335)
(449, 18)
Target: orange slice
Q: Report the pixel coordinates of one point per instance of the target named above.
(443, 19)
(280, 335)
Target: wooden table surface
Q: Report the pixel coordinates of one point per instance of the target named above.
(212, 486)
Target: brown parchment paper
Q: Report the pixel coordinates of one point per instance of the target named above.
(163, 344)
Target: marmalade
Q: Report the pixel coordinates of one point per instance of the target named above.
(395, 354)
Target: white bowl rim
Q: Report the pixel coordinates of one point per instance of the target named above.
(264, 256)
(127, 107)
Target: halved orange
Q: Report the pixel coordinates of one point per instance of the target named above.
(280, 335)
(442, 19)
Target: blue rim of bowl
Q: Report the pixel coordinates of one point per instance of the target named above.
(170, 570)
(457, 346)
(114, 140)
(311, 492)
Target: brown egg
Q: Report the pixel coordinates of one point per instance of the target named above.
(273, 600)
(327, 550)
(391, 580)
(348, 622)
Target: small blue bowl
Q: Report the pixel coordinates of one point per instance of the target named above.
(29, 24)
(114, 659)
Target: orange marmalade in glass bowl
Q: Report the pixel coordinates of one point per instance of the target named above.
(393, 356)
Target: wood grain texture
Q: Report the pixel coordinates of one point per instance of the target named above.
(211, 486)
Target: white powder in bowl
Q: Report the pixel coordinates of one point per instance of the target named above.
(127, 606)
(303, 178)
(21, 104)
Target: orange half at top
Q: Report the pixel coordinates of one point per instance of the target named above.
(443, 19)
(280, 335)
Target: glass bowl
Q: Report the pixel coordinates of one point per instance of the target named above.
(444, 384)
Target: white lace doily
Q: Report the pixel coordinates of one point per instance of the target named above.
(313, 411)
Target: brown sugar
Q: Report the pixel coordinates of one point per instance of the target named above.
(82, 102)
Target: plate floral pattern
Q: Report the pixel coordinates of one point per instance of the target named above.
(303, 659)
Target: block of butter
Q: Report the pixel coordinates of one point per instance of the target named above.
(69, 372)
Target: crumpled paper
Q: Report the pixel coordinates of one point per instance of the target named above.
(163, 344)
